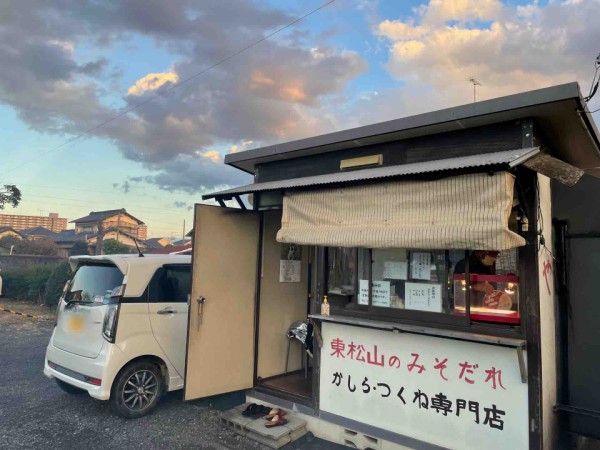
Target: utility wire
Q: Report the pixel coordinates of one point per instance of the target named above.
(173, 86)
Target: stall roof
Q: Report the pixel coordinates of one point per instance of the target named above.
(508, 158)
(559, 110)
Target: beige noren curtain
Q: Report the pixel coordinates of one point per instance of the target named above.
(461, 212)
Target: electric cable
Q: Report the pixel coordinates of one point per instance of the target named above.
(171, 87)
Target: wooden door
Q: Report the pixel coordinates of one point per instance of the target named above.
(220, 345)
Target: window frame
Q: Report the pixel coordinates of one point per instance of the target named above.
(426, 318)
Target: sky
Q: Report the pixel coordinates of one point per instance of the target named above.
(69, 66)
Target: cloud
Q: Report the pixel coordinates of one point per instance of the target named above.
(183, 205)
(212, 155)
(152, 82)
(252, 97)
(125, 187)
(442, 11)
(508, 49)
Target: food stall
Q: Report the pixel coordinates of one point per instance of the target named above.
(418, 253)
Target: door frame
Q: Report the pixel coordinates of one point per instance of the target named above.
(312, 402)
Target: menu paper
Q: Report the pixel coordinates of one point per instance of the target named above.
(381, 293)
(424, 297)
(420, 265)
(363, 292)
(395, 270)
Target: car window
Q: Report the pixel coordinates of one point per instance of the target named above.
(171, 284)
(94, 283)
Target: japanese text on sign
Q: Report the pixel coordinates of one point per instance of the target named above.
(454, 394)
(424, 297)
(381, 293)
(420, 265)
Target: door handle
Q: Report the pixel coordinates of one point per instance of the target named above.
(166, 311)
(201, 301)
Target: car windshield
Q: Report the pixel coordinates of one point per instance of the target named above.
(94, 283)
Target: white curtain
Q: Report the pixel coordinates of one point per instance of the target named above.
(461, 212)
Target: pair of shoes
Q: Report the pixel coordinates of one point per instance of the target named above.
(276, 421)
(255, 411)
(275, 412)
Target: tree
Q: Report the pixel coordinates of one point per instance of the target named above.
(46, 247)
(113, 247)
(56, 282)
(79, 248)
(9, 194)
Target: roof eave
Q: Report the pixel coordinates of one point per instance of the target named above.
(445, 120)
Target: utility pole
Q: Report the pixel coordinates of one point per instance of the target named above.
(99, 238)
(183, 232)
(118, 224)
(475, 84)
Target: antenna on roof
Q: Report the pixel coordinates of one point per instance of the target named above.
(594, 87)
(475, 84)
(140, 254)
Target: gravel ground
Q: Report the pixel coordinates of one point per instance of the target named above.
(35, 413)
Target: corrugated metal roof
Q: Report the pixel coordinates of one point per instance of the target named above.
(509, 158)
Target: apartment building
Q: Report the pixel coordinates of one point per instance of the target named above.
(22, 222)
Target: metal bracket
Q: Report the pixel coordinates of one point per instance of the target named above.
(201, 301)
(522, 364)
(240, 202)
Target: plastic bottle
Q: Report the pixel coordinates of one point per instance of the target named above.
(325, 307)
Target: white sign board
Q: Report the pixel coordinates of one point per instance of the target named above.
(363, 292)
(420, 265)
(290, 263)
(395, 270)
(424, 297)
(381, 293)
(445, 392)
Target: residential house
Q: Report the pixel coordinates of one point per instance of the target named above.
(115, 224)
(118, 219)
(9, 231)
(156, 243)
(171, 250)
(38, 233)
(65, 241)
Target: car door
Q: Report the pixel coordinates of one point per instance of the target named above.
(168, 307)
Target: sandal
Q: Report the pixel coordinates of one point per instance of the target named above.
(276, 422)
(275, 412)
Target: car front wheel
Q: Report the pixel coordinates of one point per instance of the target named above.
(137, 390)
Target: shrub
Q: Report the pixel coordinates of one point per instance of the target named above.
(27, 283)
(79, 248)
(56, 282)
(113, 247)
(45, 247)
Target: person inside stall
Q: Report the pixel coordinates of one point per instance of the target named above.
(481, 262)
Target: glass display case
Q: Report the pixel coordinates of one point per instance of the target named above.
(494, 298)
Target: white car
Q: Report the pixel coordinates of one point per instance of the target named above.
(121, 328)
